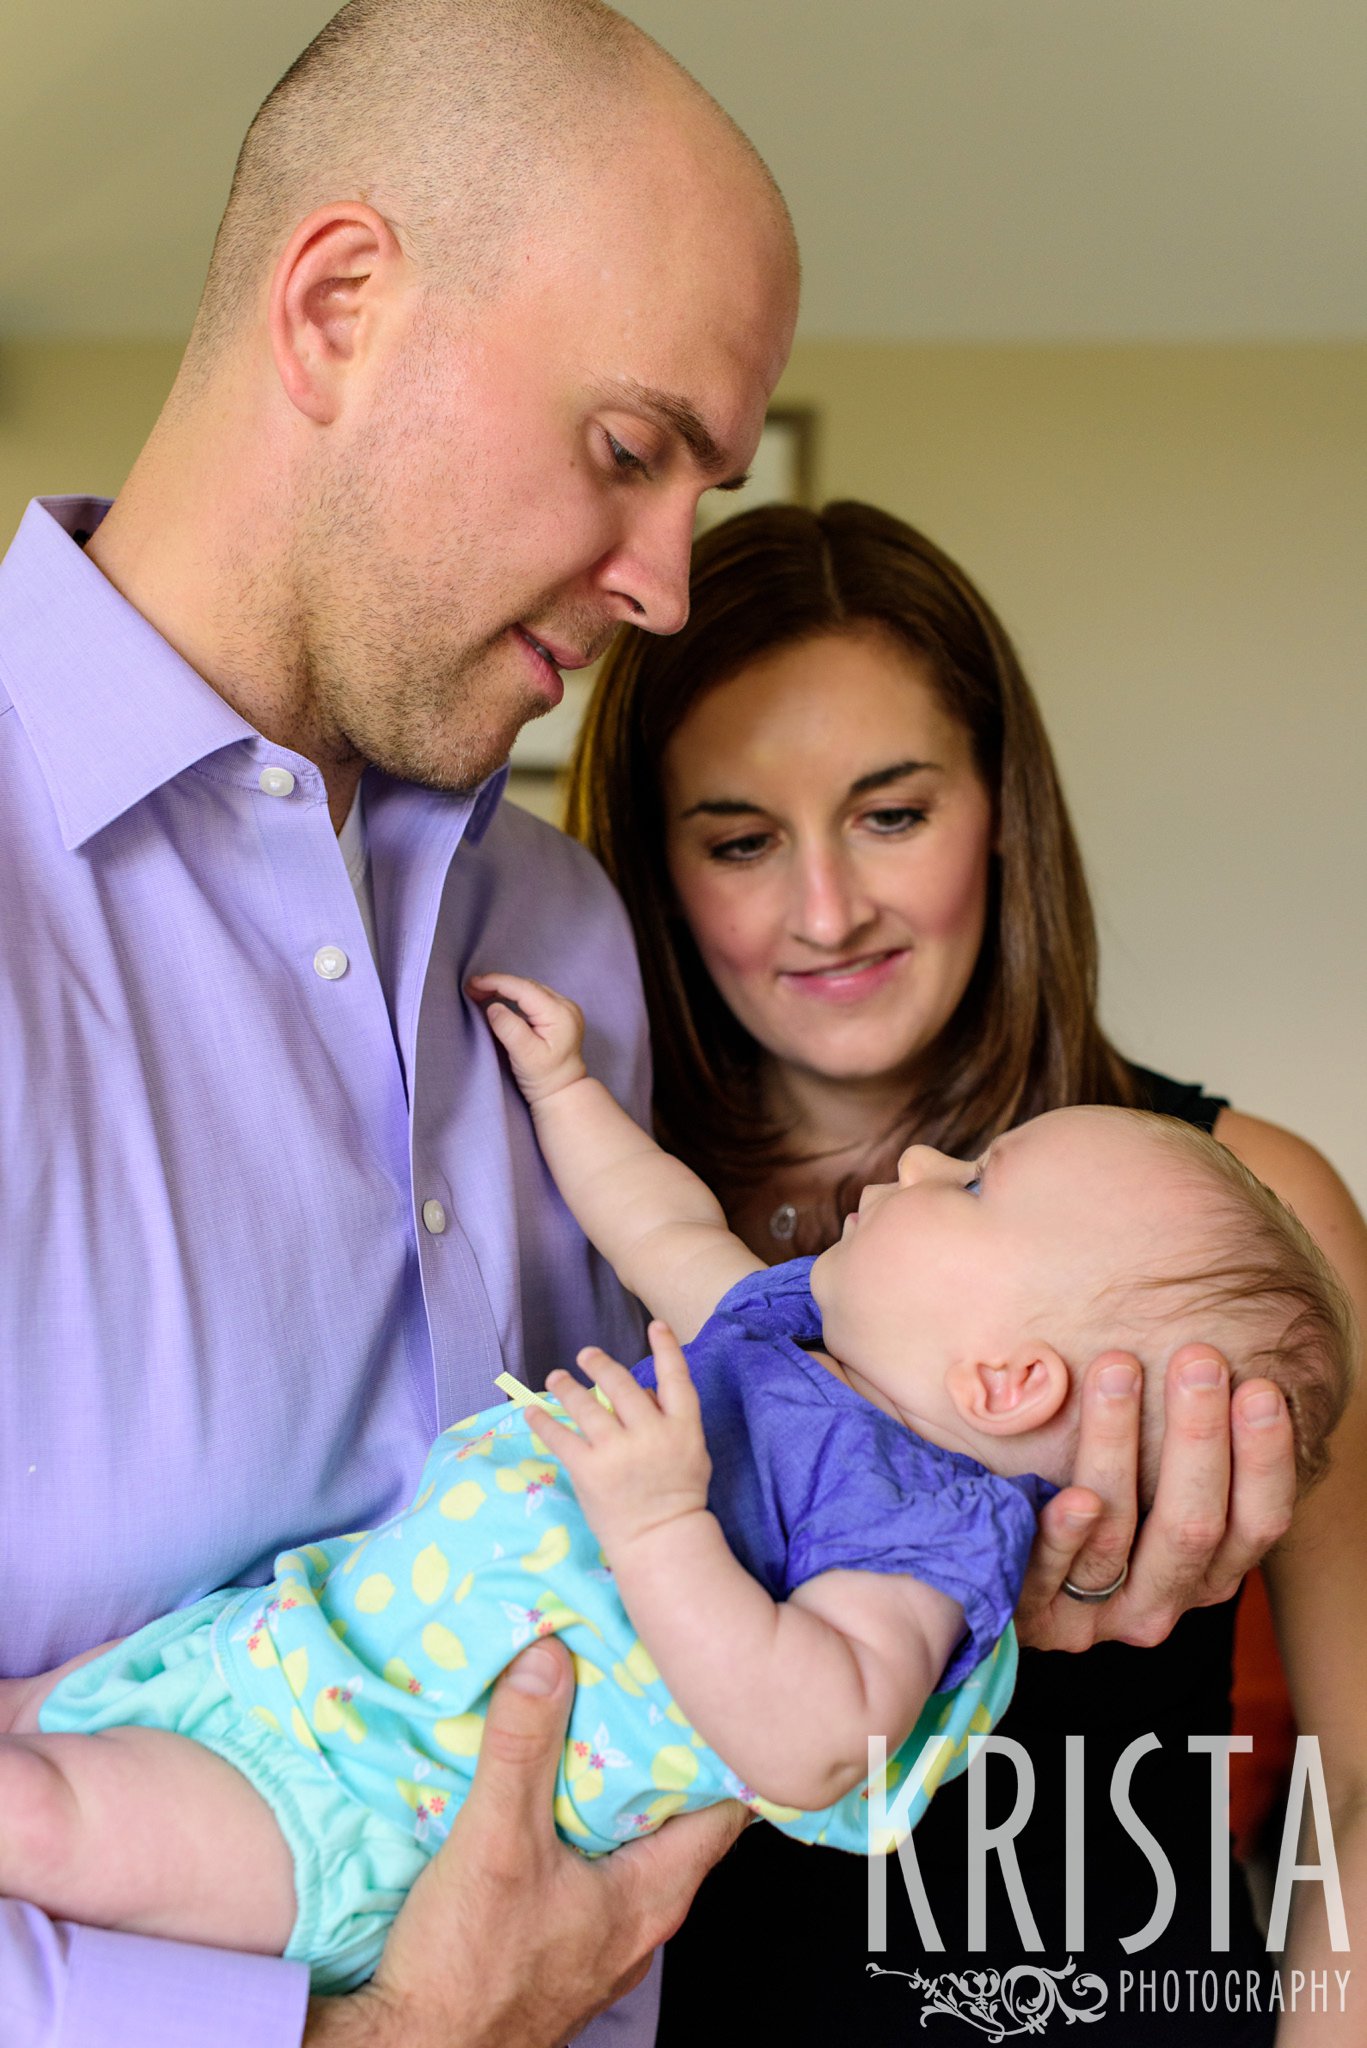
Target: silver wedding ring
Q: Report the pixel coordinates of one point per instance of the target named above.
(1090, 1596)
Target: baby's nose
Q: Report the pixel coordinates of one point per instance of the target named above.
(920, 1163)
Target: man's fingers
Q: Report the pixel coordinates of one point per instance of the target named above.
(1045, 1618)
(1064, 1527)
(1108, 1464)
(1262, 1494)
(511, 1797)
(1186, 1526)
(1085, 1533)
(661, 1874)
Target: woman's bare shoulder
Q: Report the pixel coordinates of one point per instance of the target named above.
(1301, 1175)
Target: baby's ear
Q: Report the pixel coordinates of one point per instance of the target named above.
(1008, 1396)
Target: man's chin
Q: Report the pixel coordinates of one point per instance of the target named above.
(452, 770)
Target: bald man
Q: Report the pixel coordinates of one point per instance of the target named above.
(498, 294)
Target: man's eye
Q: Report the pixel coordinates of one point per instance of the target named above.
(623, 458)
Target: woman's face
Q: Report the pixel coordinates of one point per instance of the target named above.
(829, 840)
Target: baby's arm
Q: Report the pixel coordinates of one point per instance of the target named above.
(660, 1229)
(788, 1692)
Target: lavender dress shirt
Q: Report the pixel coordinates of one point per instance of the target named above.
(271, 1218)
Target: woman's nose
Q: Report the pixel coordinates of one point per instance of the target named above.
(830, 904)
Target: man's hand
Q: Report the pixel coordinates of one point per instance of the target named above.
(640, 1464)
(509, 1939)
(1226, 1489)
(541, 1032)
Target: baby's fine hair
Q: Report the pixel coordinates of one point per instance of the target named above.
(1283, 1314)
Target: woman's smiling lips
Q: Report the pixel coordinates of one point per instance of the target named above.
(846, 981)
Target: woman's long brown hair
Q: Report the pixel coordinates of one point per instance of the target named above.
(1025, 1036)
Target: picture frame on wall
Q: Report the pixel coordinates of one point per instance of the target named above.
(783, 472)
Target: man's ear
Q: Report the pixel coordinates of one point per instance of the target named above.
(1005, 1398)
(331, 289)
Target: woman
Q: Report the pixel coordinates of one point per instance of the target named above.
(832, 811)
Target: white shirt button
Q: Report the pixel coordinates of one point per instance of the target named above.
(433, 1218)
(331, 962)
(276, 781)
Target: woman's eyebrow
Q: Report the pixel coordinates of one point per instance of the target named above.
(721, 807)
(881, 776)
(738, 807)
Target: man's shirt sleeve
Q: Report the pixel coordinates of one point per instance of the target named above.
(80, 1987)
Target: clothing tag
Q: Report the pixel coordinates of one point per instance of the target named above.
(520, 1396)
(523, 1397)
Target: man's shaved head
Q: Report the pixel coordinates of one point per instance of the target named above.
(499, 292)
(453, 119)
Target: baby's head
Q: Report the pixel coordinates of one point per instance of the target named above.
(969, 1296)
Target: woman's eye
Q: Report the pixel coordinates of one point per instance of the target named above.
(895, 818)
(974, 1186)
(748, 846)
(623, 459)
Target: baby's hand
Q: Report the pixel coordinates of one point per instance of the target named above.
(542, 1035)
(640, 1464)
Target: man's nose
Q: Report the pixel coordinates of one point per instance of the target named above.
(648, 575)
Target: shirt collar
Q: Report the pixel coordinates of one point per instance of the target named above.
(110, 709)
(487, 799)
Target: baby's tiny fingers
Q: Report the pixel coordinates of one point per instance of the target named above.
(629, 1398)
(585, 1410)
(494, 982)
(562, 1442)
(540, 1005)
(507, 1024)
(678, 1395)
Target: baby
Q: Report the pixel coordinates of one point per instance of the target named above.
(810, 1531)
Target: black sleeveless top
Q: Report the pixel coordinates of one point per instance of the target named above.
(784, 1927)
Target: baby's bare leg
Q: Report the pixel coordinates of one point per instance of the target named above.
(145, 1832)
(20, 1698)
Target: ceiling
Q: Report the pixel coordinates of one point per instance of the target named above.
(965, 170)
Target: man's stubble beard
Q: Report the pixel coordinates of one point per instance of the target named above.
(443, 723)
(380, 685)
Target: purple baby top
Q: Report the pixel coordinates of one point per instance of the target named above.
(272, 1217)
(809, 1477)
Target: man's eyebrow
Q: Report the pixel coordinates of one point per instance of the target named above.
(737, 807)
(677, 413)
